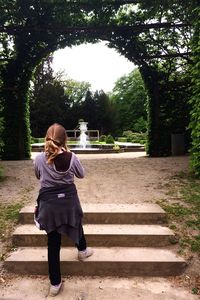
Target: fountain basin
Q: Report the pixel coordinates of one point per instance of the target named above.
(96, 148)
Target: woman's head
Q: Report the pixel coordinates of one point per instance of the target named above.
(55, 139)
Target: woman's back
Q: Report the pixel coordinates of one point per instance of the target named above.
(62, 171)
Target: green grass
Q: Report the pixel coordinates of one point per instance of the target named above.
(183, 210)
(9, 216)
(2, 175)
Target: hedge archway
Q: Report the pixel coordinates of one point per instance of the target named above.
(146, 32)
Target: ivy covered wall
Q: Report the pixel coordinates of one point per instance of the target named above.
(195, 100)
(168, 109)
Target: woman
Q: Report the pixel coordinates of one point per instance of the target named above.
(59, 210)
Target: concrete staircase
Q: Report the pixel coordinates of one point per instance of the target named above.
(128, 240)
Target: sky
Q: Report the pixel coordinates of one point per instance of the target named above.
(95, 63)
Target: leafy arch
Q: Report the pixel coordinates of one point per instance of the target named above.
(149, 33)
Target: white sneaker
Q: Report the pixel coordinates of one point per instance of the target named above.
(55, 289)
(82, 255)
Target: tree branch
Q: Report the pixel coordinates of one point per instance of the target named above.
(163, 56)
(62, 30)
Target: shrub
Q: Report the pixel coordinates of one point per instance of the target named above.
(139, 138)
(140, 125)
(128, 135)
(110, 139)
(102, 138)
(37, 140)
(116, 147)
(135, 137)
(122, 139)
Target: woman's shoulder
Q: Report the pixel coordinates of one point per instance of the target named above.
(40, 157)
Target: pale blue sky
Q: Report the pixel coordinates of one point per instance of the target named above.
(94, 63)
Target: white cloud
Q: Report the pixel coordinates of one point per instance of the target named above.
(95, 63)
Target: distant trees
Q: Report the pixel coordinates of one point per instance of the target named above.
(130, 99)
(54, 99)
(48, 101)
(99, 112)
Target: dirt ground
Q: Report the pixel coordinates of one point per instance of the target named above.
(110, 178)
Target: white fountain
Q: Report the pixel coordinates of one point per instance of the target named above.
(83, 136)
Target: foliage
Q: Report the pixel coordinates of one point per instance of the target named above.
(116, 147)
(30, 30)
(36, 140)
(75, 90)
(194, 101)
(161, 54)
(9, 215)
(1, 138)
(130, 98)
(122, 139)
(128, 134)
(135, 137)
(110, 139)
(102, 138)
(66, 101)
(184, 210)
(99, 111)
(2, 175)
(168, 109)
(146, 32)
(1, 122)
(140, 125)
(48, 101)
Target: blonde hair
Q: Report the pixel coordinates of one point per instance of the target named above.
(55, 138)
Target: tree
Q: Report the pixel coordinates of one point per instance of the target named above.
(130, 98)
(98, 111)
(50, 106)
(54, 99)
(75, 90)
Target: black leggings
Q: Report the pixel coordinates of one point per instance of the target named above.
(54, 243)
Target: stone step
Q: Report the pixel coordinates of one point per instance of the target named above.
(105, 262)
(108, 235)
(112, 214)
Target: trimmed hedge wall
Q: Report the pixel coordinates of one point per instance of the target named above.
(195, 100)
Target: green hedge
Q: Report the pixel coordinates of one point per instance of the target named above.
(2, 175)
(110, 139)
(37, 140)
(122, 139)
(102, 138)
(134, 137)
(195, 100)
(1, 137)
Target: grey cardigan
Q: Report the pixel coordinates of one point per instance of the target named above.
(50, 177)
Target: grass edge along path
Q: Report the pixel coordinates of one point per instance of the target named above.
(183, 213)
(9, 217)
